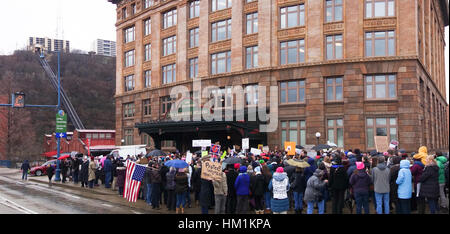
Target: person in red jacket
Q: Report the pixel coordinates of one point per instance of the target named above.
(416, 171)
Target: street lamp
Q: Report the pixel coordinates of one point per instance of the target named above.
(123, 141)
(317, 136)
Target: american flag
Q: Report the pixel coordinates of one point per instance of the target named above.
(134, 175)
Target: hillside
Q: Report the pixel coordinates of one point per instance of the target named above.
(89, 81)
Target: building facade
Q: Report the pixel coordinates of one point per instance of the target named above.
(105, 47)
(348, 69)
(50, 45)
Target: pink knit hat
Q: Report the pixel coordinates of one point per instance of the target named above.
(280, 170)
(359, 165)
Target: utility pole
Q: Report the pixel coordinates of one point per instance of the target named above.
(58, 109)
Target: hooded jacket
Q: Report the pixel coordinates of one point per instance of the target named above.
(429, 182)
(360, 182)
(404, 181)
(242, 184)
(314, 187)
(352, 167)
(422, 155)
(441, 160)
(380, 178)
(338, 178)
(279, 185)
(309, 171)
(220, 186)
(170, 179)
(416, 171)
(394, 169)
(258, 184)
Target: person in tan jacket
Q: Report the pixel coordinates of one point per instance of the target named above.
(220, 193)
(92, 168)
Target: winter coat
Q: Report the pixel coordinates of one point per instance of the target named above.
(395, 168)
(163, 172)
(121, 171)
(422, 155)
(242, 183)
(206, 192)
(108, 165)
(267, 179)
(50, 171)
(92, 169)
(181, 182)
(416, 171)
(231, 179)
(257, 184)
(404, 181)
(195, 179)
(309, 171)
(338, 178)
(380, 178)
(360, 182)
(352, 167)
(314, 187)
(441, 160)
(25, 166)
(155, 176)
(220, 186)
(84, 172)
(170, 180)
(298, 182)
(429, 180)
(279, 185)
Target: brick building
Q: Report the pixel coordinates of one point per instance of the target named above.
(349, 69)
(4, 127)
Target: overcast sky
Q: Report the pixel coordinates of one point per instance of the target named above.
(82, 21)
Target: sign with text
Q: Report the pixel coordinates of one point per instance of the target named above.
(188, 157)
(211, 170)
(201, 143)
(265, 149)
(214, 150)
(61, 122)
(245, 143)
(381, 143)
(255, 151)
(289, 146)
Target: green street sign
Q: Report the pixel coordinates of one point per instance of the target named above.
(61, 122)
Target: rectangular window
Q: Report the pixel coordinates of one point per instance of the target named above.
(169, 18)
(148, 52)
(251, 95)
(193, 38)
(293, 130)
(193, 68)
(148, 79)
(147, 27)
(221, 62)
(292, 16)
(194, 9)
(335, 131)
(334, 89)
(128, 137)
(252, 23)
(381, 87)
(251, 57)
(380, 43)
(129, 34)
(292, 92)
(384, 126)
(292, 52)
(334, 45)
(221, 30)
(169, 45)
(133, 8)
(124, 13)
(148, 3)
(217, 5)
(129, 83)
(128, 110)
(169, 74)
(129, 58)
(333, 10)
(166, 104)
(146, 107)
(222, 97)
(380, 8)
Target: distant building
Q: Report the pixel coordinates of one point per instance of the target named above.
(105, 47)
(50, 45)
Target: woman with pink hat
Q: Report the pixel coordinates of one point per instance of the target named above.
(360, 182)
(279, 185)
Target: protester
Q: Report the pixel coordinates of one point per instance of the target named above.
(92, 170)
(267, 194)
(206, 193)
(429, 184)
(25, 167)
(313, 192)
(64, 169)
(50, 171)
(279, 185)
(170, 188)
(417, 202)
(360, 183)
(380, 178)
(121, 173)
(393, 186)
(84, 172)
(441, 160)
(404, 181)
(242, 186)
(76, 162)
(257, 187)
(181, 188)
(108, 172)
(338, 182)
(220, 193)
(156, 186)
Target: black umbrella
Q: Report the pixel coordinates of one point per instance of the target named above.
(233, 160)
(299, 147)
(156, 152)
(321, 147)
(198, 152)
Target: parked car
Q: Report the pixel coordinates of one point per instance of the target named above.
(42, 169)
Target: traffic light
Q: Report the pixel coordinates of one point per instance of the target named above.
(18, 100)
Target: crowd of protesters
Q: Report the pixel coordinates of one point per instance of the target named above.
(392, 182)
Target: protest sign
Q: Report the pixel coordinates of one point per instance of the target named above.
(201, 143)
(289, 146)
(211, 170)
(265, 149)
(188, 157)
(255, 151)
(245, 143)
(214, 149)
(204, 153)
(260, 146)
(381, 143)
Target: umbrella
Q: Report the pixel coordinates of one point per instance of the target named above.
(156, 152)
(233, 160)
(177, 163)
(298, 163)
(299, 147)
(64, 156)
(321, 147)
